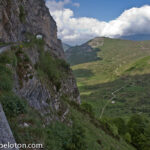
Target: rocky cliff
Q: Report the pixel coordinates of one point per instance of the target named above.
(40, 75)
(6, 134)
(18, 17)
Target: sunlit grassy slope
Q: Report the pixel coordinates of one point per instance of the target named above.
(119, 63)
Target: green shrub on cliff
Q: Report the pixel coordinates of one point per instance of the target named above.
(50, 67)
(54, 68)
(87, 107)
(5, 78)
(13, 105)
(127, 137)
(7, 60)
(63, 137)
(22, 14)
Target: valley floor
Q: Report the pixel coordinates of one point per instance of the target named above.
(117, 84)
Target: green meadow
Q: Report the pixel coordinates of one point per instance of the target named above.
(122, 63)
(113, 77)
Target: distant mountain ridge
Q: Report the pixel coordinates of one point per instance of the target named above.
(86, 52)
(138, 37)
(66, 46)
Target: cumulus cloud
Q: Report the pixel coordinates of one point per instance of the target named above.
(76, 4)
(53, 5)
(78, 30)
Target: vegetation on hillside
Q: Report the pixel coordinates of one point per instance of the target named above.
(124, 65)
(87, 55)
(22, 15)
(81, 131)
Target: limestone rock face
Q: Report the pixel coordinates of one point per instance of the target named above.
(19, 17)
(5, 131)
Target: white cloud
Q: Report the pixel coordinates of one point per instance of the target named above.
(76, 4)
(77, 30)
(53, 5)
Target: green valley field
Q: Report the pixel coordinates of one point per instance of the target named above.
(121, 63)
(113, 77)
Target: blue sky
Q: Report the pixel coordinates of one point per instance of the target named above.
(81, 20)
(105, 10)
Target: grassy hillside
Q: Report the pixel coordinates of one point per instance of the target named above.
(118, 83)
(81, 131)
(122, 63)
